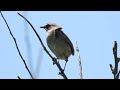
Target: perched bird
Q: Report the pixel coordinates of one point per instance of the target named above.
(58, 42)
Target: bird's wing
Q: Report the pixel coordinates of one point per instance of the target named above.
(65, 38)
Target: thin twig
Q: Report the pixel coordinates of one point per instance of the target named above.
(79, 60)
(17, 46)
(18, 77)
(116, 59)
(53, 59)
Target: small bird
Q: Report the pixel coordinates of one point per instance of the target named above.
(58, 42)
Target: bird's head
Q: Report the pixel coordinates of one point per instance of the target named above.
(51, 26)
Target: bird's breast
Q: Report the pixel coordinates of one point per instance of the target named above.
(51, 40)
(58, 46)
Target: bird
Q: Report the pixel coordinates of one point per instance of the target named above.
(58, 42)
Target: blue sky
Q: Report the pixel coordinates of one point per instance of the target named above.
(94, 31)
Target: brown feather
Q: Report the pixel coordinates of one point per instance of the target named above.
(66, 39)
(71, 46)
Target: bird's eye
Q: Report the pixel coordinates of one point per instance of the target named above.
(48, 26)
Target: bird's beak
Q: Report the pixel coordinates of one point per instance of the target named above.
(42, 27)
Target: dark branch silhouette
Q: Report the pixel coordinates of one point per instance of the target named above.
(17, 46)
(18, 77)
(116, 59)
(53, 59)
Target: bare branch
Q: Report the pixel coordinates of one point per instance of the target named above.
(16, 46)
(116, 59)
(53, 59)
(111, 67)
(79, 60)
(18, 77)
(117, 76)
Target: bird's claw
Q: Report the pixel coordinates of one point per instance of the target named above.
(54, 60)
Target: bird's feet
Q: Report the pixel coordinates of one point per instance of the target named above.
(54, 60)
(62, 71)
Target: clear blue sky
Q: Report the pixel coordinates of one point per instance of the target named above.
(95, 32)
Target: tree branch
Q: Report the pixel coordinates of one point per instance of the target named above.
(18, 77)
(53, 59)
(17, 46)
(79, 60)
(116, 59)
